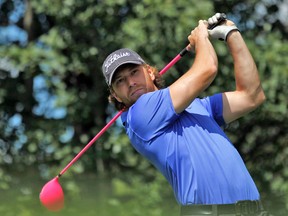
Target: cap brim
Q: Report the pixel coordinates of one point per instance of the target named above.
(122, 63)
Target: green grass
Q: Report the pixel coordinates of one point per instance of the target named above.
(88, 195)
(91, 195)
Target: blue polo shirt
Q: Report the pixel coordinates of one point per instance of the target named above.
(190, 149)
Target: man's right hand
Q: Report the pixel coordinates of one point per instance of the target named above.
(199, 33)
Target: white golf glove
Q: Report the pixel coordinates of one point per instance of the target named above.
(221, 31)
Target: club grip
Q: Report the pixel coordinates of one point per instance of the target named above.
(221, 19)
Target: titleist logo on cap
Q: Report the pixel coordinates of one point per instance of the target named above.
(118, 58)
(114, 58)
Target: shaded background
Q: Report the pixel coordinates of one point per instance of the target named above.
(53, 100)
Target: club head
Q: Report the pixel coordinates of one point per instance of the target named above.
(52, 196)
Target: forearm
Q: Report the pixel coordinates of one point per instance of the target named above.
(205, 55)
(246, 73)
(204, 68)
(197, 78)
(249, 93)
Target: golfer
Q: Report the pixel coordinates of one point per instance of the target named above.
(181, 134)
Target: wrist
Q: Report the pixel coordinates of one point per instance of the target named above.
(201, 42)
(232, 33)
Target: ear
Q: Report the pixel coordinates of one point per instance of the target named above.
(150, 72)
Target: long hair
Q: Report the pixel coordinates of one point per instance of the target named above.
(158, 82)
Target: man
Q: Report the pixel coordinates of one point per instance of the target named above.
(181, 134)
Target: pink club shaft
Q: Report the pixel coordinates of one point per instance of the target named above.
(91, 143)
(170, 64)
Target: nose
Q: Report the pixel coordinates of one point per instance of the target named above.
(131, 82)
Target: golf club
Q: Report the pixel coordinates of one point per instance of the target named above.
(51, 195)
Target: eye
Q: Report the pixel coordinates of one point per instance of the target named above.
(134, 71)
(119, 81)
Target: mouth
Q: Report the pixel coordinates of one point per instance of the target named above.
(138, 92)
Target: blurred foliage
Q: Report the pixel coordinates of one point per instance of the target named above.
(53, 98)
(152, 195)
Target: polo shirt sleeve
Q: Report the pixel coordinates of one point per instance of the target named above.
(214, 105)
(151, 114)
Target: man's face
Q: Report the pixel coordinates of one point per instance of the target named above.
(132, 81)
